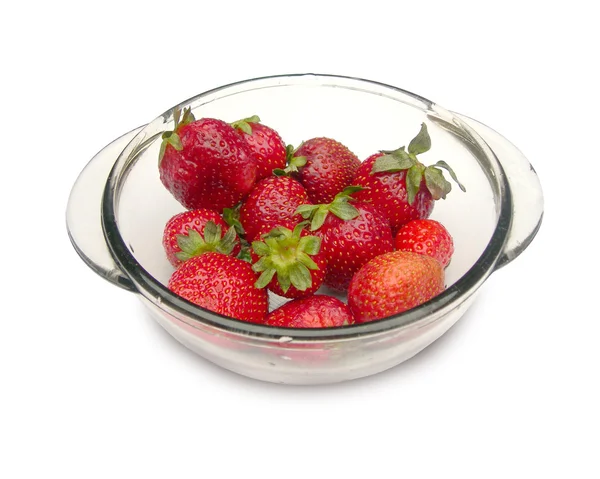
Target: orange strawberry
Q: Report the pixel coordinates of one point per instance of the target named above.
(392, 283)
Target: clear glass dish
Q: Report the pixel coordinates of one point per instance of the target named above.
(118, 207)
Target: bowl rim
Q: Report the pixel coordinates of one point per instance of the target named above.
(164, 299)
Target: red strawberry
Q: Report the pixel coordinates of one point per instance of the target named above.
(194, 232)
(266, 144)
(400, 186)
(222, 284)
(272, 202)
(427, 237)
(290, 262)
(351, 235)
(324, 166)
(392, 283)
(317, 311)
(205, 163)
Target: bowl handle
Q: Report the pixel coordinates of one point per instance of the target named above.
(525, 188)
(84, 224)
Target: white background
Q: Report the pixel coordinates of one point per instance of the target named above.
(93, 388)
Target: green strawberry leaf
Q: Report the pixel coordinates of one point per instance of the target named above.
(260, 248)
(392, 162)
(413, 182)
(340, 205)
(298, 229)
(176, 116)
(244, 124)
(310, 244)
(231, 216)
(436, 183)
(265, 278)
(171, 137)
(420, 143)
(349, 190)
(344, 210)
(253, 119)
(306, 211)
(263, 264)
(161, 153)
(290, 151)
(278, 233)
(190, 242)
(297, 162)
(307, 261)
(244, 253)
(284, 281)
(319, 218)
(194, 244)
(181, 256)
(188, 117)
(300, 277)
(226, 244)
(446, 166)
(315, 213)
(212, 232)
(245, 127)
(293, 162)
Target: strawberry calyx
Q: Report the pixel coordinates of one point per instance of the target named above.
(244, 124)
(340, 207)
(287, 254)
(293, 162)
(231, 216)
(195, 244)
(172, 137)
(401, 160)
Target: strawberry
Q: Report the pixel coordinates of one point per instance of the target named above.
(317, 311)
(272, 202)
(427, 237)
(392, 283)
(267, 146)
(351, 235)
(194, 232)
(324, 166)
(222, 284)
(400, 186)
(205, 163)
(290, 262)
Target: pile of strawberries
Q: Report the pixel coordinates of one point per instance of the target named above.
(262, 216)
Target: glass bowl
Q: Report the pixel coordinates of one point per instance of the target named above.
(118, 208)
